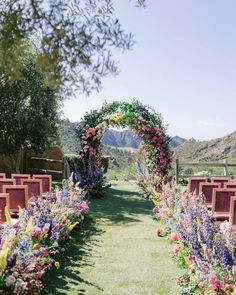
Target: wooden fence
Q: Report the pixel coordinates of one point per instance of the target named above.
(52, 161)
(178, 165)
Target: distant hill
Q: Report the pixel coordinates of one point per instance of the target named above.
(125, 139)
(212, 150)
(121, 139)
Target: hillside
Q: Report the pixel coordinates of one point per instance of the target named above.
(205, 151)
(125, 139)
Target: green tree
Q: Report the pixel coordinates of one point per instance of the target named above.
(74, 39)
(29, 112)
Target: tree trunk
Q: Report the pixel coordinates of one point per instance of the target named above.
(16, 161)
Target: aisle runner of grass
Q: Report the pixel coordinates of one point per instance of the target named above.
(117, 251)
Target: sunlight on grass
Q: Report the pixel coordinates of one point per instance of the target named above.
(117, 251)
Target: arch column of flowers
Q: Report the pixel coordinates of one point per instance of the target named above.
(144, 122)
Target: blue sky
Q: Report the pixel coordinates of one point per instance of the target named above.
(183, 65)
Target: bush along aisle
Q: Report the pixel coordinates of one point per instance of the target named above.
(145, 123)
(31, 246)
(206, 250)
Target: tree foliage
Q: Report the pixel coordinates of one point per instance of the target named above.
(29, 111)
(73, 37)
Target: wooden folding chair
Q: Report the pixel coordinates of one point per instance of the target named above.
(6, 181)
(206, 188)
(221, 202)
(194, 184)
(2, 175)
(18, 196)
(230, 185)
(4, 202)
(221, 179)
(35, 187)
(46, 182)
(232, 217)
(18, 177)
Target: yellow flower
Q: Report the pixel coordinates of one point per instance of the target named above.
(57, 264)
(199, 239)
(3, 255)
(29, 226)
(70, 228)
(8, 217)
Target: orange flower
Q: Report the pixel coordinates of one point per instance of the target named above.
(36, 246)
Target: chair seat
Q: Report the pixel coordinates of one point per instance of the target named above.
(221, 216)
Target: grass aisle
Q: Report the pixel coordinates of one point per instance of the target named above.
(117, 251)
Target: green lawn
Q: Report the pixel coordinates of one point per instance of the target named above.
(117, 251)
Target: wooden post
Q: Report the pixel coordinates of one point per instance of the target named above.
(177, 171)
(226, 171)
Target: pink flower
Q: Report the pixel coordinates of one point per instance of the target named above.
(155, 210)
(154, 138)
(206, 252)
(176, 249)
(155, 128)
(36, 232)
(224, 287)
(215, 283)
(174, 237)
(83, 207)
(158, 233)
(147, 129)
(45, 251)
(148, 136)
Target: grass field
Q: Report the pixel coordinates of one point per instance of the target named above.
(117, 252)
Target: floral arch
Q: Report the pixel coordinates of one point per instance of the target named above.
(144, 122)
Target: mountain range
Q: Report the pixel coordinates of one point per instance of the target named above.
(127, 139)
(189, 150)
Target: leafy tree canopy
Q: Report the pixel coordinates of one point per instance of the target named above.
(29, 111)
(73, 38)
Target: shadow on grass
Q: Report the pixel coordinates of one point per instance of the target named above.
(76, 256)
(117, 207)
(120, 206)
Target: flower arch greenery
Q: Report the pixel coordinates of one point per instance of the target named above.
(144, 122)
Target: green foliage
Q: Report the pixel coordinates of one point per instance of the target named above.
(29, 111)
(73, 39)
(67, 138)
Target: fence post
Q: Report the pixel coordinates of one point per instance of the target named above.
(177, 171)
(226, 171)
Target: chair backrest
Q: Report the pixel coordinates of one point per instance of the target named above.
(206, 188)
(221, 199)
(2, 175)
(194, 184)
(18, 177)
(232, 216)
(230, 185)
(4, 202)
(6, 181)
(34, 187)
(222, 180)
(46, 182)
(18, 196)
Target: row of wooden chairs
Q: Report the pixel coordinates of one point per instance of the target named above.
(220, 196)
(16, 191)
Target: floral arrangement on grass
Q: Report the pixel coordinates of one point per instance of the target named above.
(31, 247)
(145, 123)
(206, 249)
